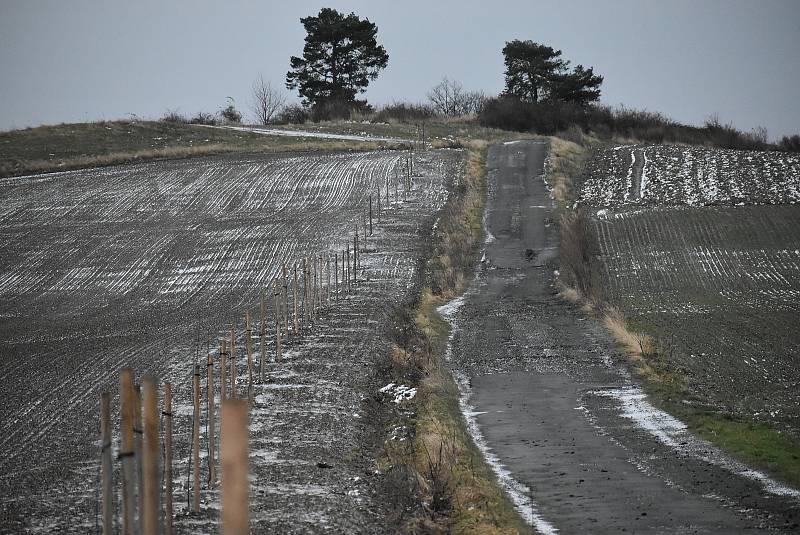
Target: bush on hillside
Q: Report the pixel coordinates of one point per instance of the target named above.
(331, 110)
(292, 114)
(202, 117)
(551, 117)
(403, 112)
(230, 114)
(790, 143)
(172, 116)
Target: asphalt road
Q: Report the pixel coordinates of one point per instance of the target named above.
(554, 404)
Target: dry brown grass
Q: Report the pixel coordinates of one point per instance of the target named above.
(173, 153)
(564, 161)
(86, 145)
(579, 257)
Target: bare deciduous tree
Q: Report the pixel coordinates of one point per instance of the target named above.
(267, 100)
(449, 99)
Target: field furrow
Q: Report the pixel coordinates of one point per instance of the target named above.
(142, 265)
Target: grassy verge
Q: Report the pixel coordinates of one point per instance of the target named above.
(434, 472)
(76, 146)
(756, 444)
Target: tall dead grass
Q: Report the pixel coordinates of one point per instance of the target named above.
(579, 257)
(581, 279)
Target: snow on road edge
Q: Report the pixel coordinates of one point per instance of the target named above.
(518, 492)
(673, 433)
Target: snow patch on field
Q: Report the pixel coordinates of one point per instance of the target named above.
(306, 133)
(399, 392)
(693, 176)
(673, 433)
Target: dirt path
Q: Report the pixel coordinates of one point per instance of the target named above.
(549, 400)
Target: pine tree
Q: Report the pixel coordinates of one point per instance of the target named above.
(340, 57)
(536, 72)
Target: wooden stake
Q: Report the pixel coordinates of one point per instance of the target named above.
(127, 451)
(235, 469)
(248, 344)
(278, 354)
(167, 459)
(262, 336)
(137, 444)
(355, 256)
(151, 457)
(294, 293)
(286, 300)
(105, 461)
(370, 214)
(318, 263)
(211, 407)
(336, 275)
(223, 370)
(232, 358)
(196, 439)
(314, 289)
(346, 270)
(379, 204)
(328, 273)
(363, 228)
(305, 293)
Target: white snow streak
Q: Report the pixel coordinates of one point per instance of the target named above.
(673, 433)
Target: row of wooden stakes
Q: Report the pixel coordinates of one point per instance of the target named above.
(140, 452)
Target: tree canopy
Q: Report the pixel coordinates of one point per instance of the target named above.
(340, 57)
(536, 72)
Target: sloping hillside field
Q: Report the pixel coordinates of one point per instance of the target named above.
(701, 248)
(149, 266)
(661, 175)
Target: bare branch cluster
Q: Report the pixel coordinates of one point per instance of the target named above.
(449, 98)
(267, 100)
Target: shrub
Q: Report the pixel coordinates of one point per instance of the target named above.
(790, 143)
(550, 117)
(230, 114)
(449, 99)
(292, 114)
(172, 116)
(330, 110)
(579, 256)
(403, 112)
(203, 118)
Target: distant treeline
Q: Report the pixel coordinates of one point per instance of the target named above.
(552, 117)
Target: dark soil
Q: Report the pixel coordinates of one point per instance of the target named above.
(141, 266)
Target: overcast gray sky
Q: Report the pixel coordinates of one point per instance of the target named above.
(77, 60)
